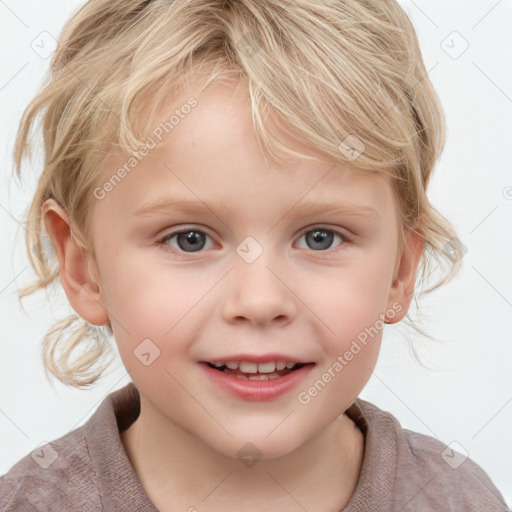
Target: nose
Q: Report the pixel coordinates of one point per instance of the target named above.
(259, 293)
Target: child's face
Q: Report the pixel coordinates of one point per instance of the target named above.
(294, 301)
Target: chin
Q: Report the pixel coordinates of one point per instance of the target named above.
(252, 446)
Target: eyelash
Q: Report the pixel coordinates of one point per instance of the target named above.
(182, 254)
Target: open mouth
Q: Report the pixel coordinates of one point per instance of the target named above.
(253, 371)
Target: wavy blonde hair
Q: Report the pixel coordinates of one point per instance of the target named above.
(325, 68)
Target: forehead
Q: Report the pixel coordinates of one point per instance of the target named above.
(211, 150)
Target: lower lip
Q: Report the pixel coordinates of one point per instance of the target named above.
(257, 390)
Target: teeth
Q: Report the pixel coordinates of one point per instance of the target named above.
(247, 367)
(250, 367)
(266, 367)
(263, 376)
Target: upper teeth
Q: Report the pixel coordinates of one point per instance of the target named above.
(249, 367)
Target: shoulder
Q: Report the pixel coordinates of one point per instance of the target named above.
(444, 474)
(427, 473)
(86, 469)
(58, 475)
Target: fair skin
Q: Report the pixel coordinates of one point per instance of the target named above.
(199, 305)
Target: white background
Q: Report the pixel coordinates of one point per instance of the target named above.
(467, 397)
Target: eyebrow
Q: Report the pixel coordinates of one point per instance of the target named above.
(169, 205)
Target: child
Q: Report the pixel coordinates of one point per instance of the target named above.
(291, 145)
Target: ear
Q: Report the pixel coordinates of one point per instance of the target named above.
(404, 276)
(78, 271)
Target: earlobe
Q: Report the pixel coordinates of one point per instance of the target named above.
(79, 279)
(402, 288)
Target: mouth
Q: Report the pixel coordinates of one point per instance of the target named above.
(257, 378)
(257, 371)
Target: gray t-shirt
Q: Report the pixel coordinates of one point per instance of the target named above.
(89, 470)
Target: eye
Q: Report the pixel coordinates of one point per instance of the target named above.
(320, 239)
(187, 240)
(192, 240)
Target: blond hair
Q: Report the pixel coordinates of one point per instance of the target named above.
(328, 69)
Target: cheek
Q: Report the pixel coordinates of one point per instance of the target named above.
(151, 295)
(351, 303)
(350, 299)
(150, 304)
(351, 345)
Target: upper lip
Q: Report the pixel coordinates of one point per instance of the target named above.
(257, 358)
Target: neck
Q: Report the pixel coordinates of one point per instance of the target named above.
(178, 470)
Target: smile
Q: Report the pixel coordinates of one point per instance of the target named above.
(256, 371)
(256, 381)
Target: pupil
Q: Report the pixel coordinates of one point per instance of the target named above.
(324, 237)
(191, 240)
